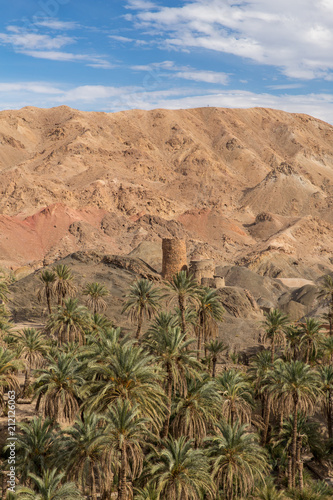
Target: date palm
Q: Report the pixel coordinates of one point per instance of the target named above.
(196, 413)
(125, 436)
(268, 492)
(259, 370)
(70, 322)
(171, 352)
(49, 486)
(81, 447)
(210, 312)
(32, 346)
(128, 374)
(4, 291)
(274, 325)
(142, 300)
(296, 387)
(183, 289)
(34, 446)
(293, 339)
(149, 492)
(96, 293)
(181, 472)
(326, 378)
(47, 280)
(326, 293)
(63, 285)
(236, 393)
(9, 366)
(311, 337)
(214, 349)
(58, 388)
(327, 346)
(239, 462)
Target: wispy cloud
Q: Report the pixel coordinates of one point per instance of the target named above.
(111, 98)
(293, 36)
(23, 40)
(183, 72)
(44, 46)
(56, 24)
(119, 38)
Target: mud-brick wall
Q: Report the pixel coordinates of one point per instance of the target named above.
(174, 257)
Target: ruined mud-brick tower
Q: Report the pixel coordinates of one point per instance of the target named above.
(174, 257)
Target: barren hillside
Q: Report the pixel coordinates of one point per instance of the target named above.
(248, 186)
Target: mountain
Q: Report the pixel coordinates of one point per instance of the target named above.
(252, 187)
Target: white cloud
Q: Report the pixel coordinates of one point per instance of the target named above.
(34, 41)
(109, 98)
(55, 24)
(94, 61)
(204, 76)
(119, 38)
(296, 36)
(184, 72)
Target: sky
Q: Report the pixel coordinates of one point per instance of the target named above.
(108, 55)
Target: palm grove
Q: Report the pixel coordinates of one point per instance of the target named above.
(148, 415)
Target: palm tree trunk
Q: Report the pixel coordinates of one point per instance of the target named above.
(26, 380)
(165, 430)
(199, 341)
(140, 321)
(182, 313)
(272, 350)
(232, 414)
(214, 361)
(267, 411)
(122, 474)
(294, 442)
(329, 414)
(299, 462)
(48, 300)
(290, 472)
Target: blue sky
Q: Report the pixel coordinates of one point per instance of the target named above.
(106, 55)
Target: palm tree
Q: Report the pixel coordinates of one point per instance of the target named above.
(293, 338)
(49, 487)
(34, 446)
(70, 322)
(295, 387)
(316, 490)
(9, 366)
(127, 374)
(210, 312)
(311, 337)
(95, 292)
(143, 299)
(268, 492)
(99, 324)
(149, 492)
(32, 346)
(47, 279)
(63, 284)
(238, 459)
(4, 291)
(184, 289)
(236, 392)
(259, 370)
(196, 413)
(170, 350)
(326, 293)
(81, 448)
(125, 436)
(215, 348)
(327, 346)
(275, 324)
(326, 377)
(181, 472)
(58, 388)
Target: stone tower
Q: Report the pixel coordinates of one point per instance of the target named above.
(174, 257)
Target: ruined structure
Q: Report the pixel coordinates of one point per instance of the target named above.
(204, 273)
(174, 257)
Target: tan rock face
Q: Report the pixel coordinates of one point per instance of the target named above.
(72, 180)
